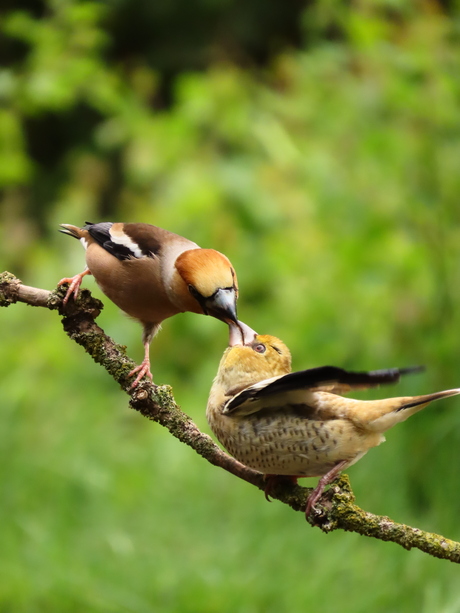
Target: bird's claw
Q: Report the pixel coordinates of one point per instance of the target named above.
(325, 480)
(311, 501)
(143, 370)
(271, 481)
(74, 285)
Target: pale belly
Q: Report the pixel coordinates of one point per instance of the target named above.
(290, 445)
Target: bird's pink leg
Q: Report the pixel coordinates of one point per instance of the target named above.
(319, 489)
(144, 368)
(74, 286)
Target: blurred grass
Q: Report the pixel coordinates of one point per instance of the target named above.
(331, 181)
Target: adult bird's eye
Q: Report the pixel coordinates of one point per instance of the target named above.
(260, 348)
(195, 293)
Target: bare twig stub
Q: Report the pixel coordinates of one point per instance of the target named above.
(337, 509)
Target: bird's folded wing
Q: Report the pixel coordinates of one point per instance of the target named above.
(127, 241)
(290, 389)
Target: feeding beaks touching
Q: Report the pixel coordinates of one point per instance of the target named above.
(212, 281)
(240, 333)
(222, 305)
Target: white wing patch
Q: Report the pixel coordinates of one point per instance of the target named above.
(126, 241)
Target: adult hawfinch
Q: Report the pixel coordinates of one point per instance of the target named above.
(153, 274)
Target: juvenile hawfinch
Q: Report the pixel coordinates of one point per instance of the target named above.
(153, 274)
(298, 424)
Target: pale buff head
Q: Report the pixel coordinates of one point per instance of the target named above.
(264, 358)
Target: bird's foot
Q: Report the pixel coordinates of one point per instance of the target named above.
(143, 370)
(325, 480)
(74, 285)
(313, 499)
(273, 480)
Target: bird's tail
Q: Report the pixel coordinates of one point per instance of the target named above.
(74, 231)
(380, 415)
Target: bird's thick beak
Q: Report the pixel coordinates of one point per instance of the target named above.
(240, 334)
(222, 305)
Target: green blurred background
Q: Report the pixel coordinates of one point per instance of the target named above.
(317, 144)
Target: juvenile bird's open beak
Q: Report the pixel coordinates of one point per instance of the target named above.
(240, 334)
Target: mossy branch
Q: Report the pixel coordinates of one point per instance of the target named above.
(336, 509)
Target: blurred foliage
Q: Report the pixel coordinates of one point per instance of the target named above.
(329, 174)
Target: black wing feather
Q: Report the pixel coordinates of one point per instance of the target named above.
(100, 232)
(141, 233)
(322, 376)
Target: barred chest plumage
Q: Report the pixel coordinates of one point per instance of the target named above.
(283, 442)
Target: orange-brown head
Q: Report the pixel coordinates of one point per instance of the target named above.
(211, 280)
(265, 357)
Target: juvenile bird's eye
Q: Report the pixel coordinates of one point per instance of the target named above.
(260, 348)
